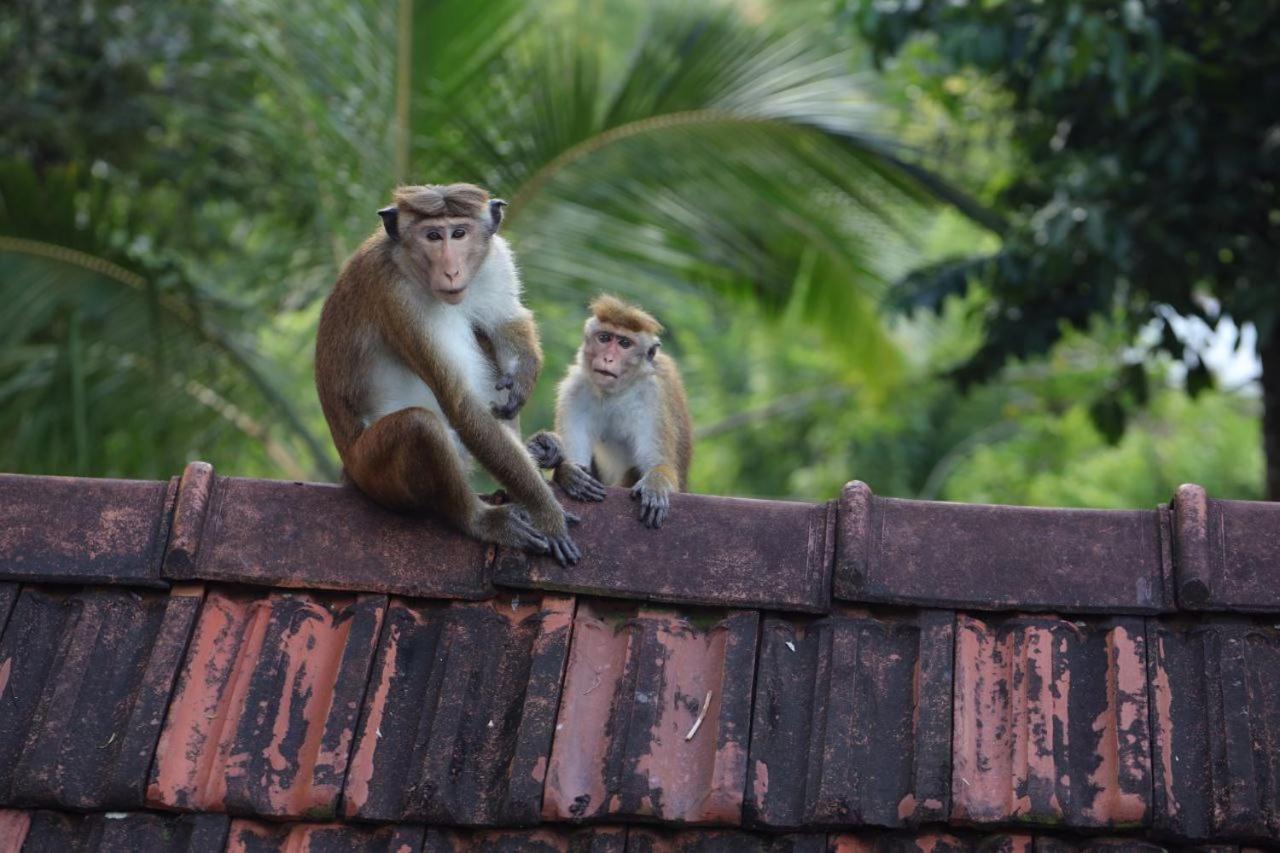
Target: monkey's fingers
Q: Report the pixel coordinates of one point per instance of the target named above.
(581, 486)
(564, 550)
(570, 518)
(504, 382)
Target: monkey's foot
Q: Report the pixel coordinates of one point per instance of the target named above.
(655, 503)
(545, 449)
(578, 483)
(509, 525)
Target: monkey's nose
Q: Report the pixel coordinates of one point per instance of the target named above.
(452, 275)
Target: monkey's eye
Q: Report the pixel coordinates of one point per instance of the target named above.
(604, 337)
(459, 233)
(625, 343)
(433, 236)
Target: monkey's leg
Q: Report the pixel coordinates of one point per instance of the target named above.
(406, 461)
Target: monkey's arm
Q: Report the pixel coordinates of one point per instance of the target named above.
(574, 442)
(655, 457)
(487, 440)
(518, 355)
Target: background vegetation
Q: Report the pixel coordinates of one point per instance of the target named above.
(785, 184)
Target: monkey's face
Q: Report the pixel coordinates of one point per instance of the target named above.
(614, 357)
(448, 252)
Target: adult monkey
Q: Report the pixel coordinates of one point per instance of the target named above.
(405, 384)
(621, 414)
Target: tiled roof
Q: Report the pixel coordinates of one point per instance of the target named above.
(221, 663)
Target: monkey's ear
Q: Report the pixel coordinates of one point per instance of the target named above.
(495, 213)
(653, 351)
(391, 222)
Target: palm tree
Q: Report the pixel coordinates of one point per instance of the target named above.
(713, 159)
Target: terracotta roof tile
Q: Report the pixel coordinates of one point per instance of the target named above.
(655, 715)
(942, 715)
(249, 836)
(1051, 722)
(62, 529)
(852, 720)
(459, 713)
(110, 832)
(85, 678)
(266, 704)
(1228, 552)
(313, 536)
(749, 554)
(1216, 711)
(1002, 557)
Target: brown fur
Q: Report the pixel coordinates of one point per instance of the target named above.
(615, 312)
(406, 460)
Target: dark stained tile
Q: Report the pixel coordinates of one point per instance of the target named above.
(72, 530)
(728, 552)
(459, 712)
(1001, 557)
(263, 718)
(1051, 722)
(547, 839)
(1046, 844)
(646, 840)
(85, 676)
(1216, 712)
(250, 836)
(655, 715)
(309, 535)
(1228, 553)
(110, 832)
(930, 842)
(852, 720)
(8, 595)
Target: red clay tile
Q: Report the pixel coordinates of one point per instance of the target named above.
(628, 741)
(645, 840)
(1228, 553)
(249, 836)
(264, 715)
(309, 535)
(110, 832)
(1001, 557)
(1216, 711)
(728, 552)
(1051, 722)
(459, 712)
(71, 530)
(603, 839)
(84, 679)
(852, 720)
(930, 842)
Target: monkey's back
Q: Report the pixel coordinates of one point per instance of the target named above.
(676, 410)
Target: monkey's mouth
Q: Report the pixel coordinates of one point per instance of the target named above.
(606, 373)
(452, 294)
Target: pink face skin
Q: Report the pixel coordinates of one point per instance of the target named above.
(450, 251)
(613, 356)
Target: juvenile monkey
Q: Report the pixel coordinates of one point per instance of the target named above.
(406, 385)
(621, 414)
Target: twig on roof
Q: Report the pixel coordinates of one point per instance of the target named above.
(706, 703)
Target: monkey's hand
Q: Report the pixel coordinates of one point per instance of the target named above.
(509, 525)
(577, 482)
(546, 450)
(654, 493)
(516, 398)
(560, 544)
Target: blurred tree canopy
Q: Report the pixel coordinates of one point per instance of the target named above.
(1145, 146)
(179, 184)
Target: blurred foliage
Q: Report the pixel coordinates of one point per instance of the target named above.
(1145, 153)
(180, 183)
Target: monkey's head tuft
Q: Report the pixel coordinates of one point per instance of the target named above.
(619, 344)
(442, 234)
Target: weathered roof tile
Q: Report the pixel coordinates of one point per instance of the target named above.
(645, 840)
(654, 716)
(852, 720)
(85, 677)
(63, 529)
(110, 832)
(1228, 553)
(458, 717)
(603, 839)
(1216, 711)
(266, 704)
(748, 553)
(1051, 722)
(249, 836)
(1001, 557)
(314, 536)
(930, 842)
